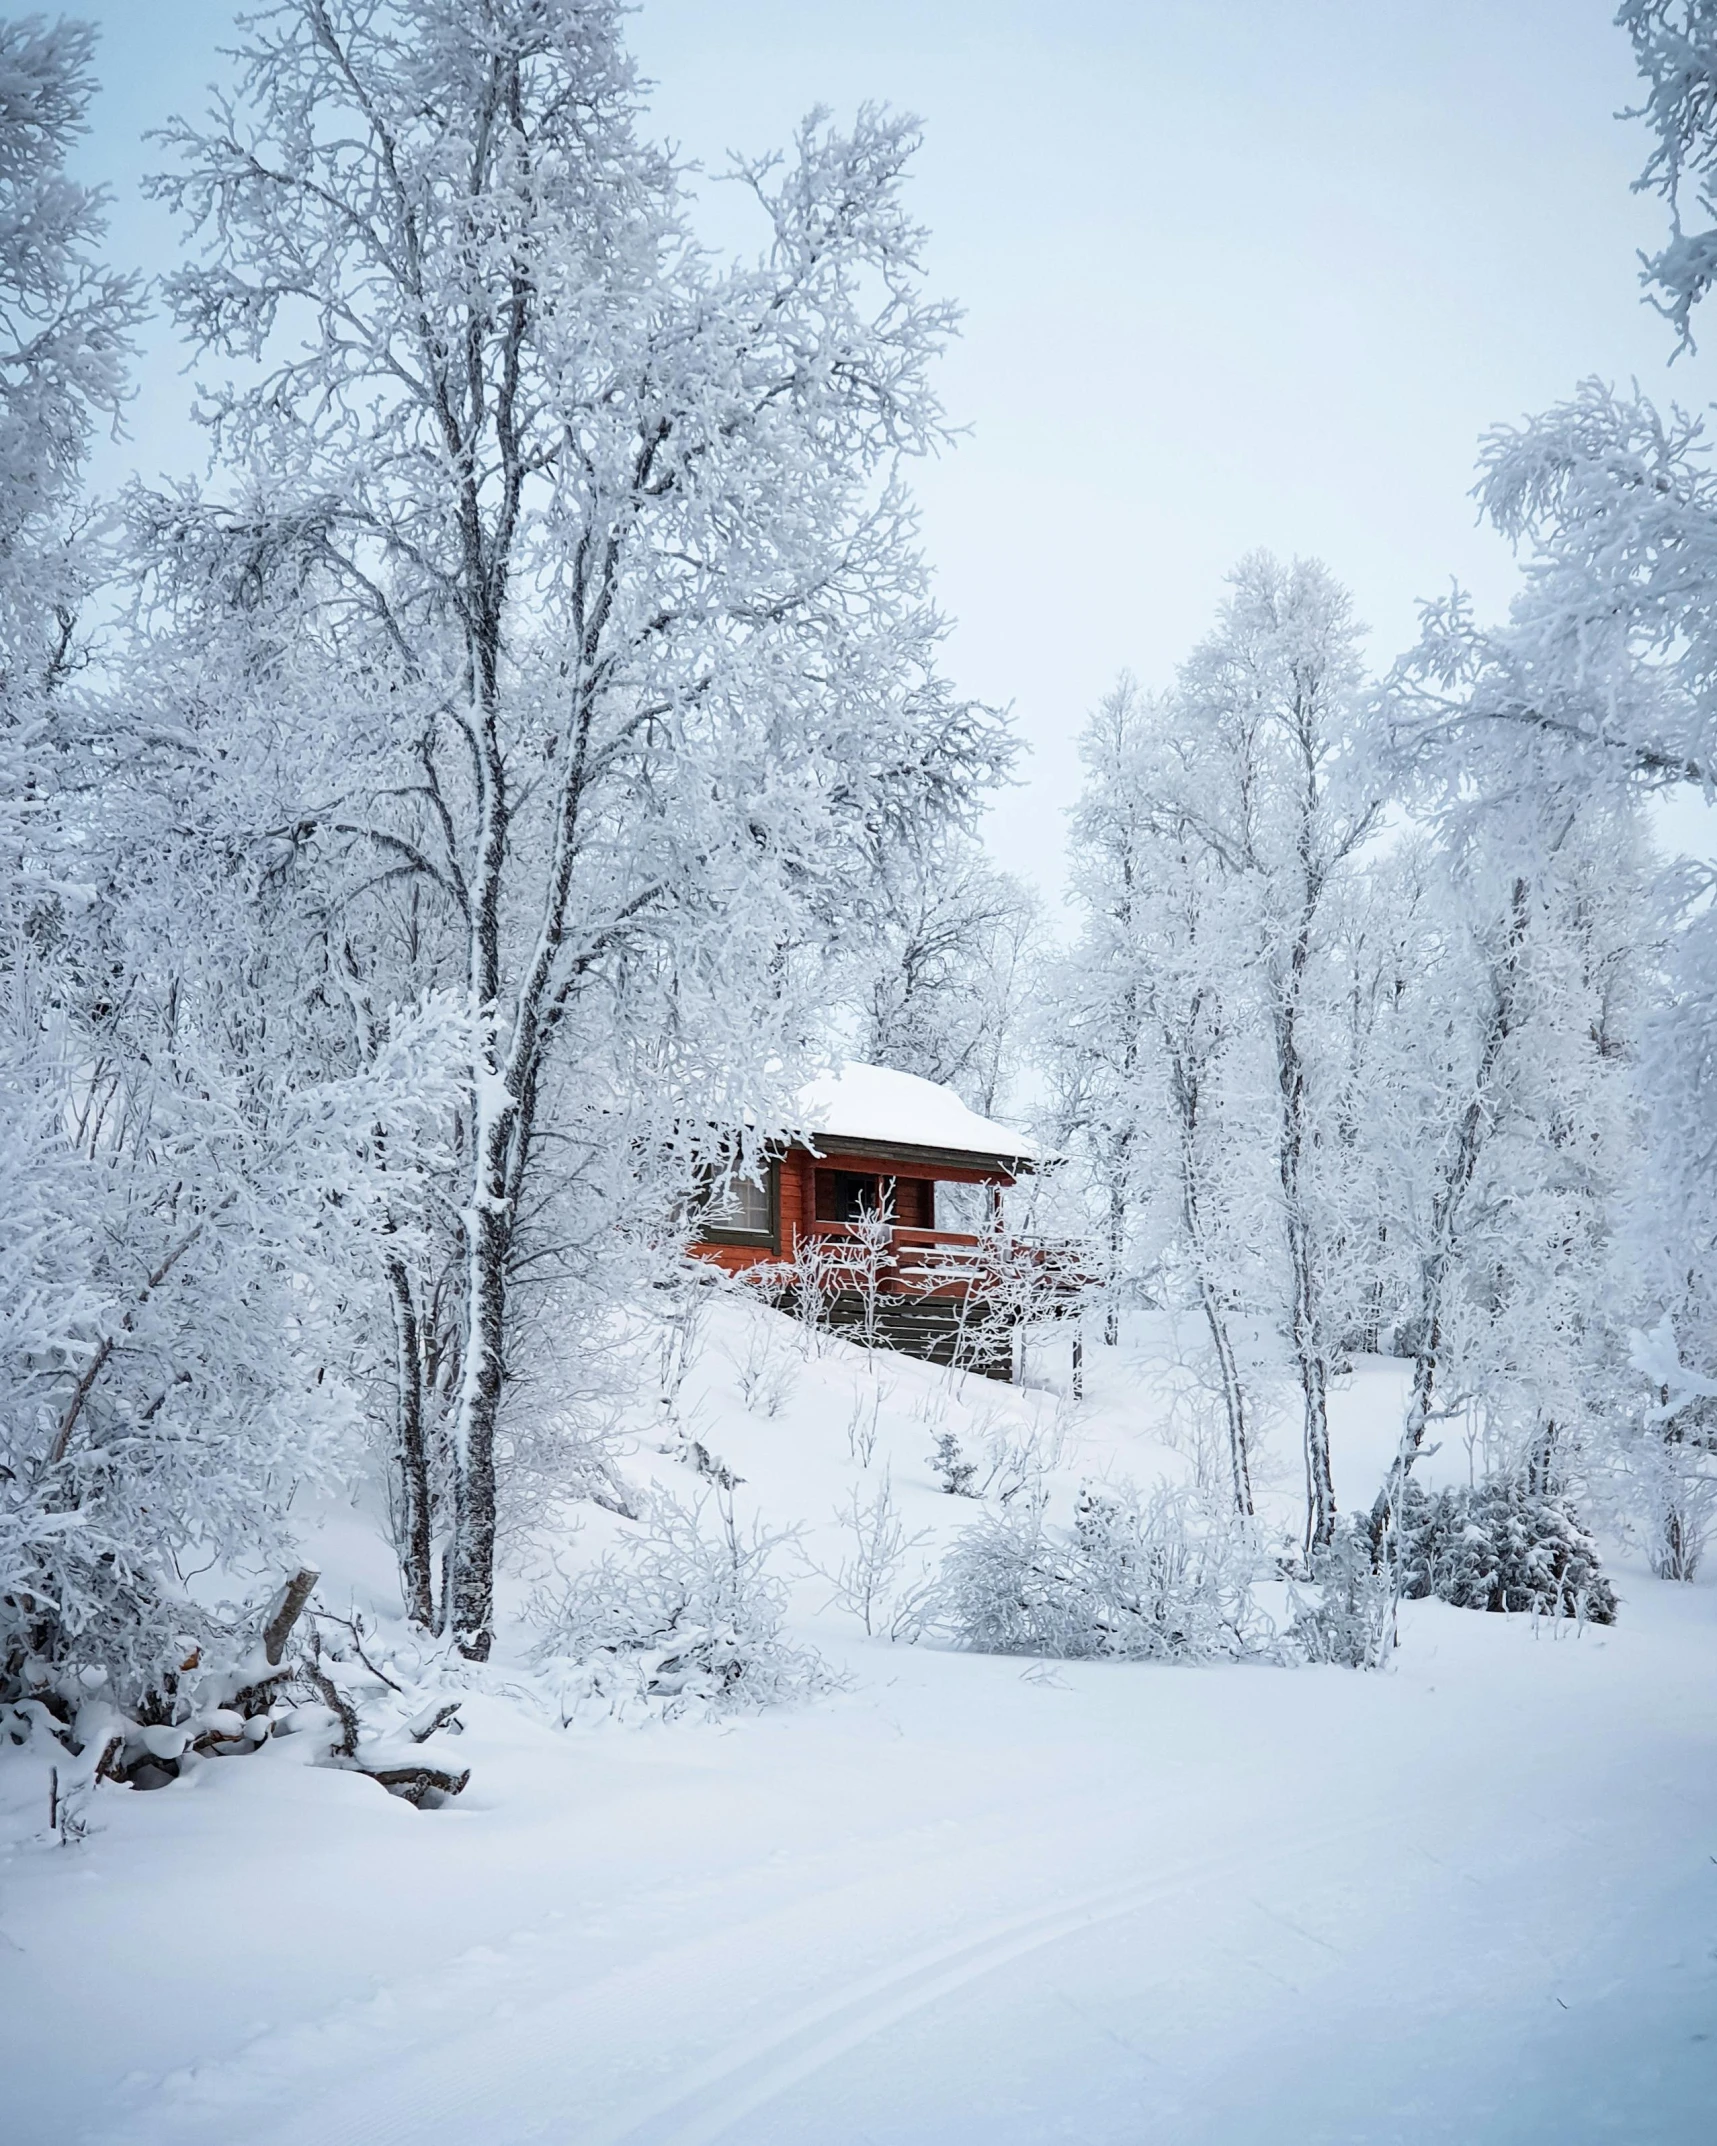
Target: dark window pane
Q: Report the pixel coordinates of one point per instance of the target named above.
(849, 1195)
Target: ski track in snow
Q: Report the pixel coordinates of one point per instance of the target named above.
(423, 2087)
(704, 2106)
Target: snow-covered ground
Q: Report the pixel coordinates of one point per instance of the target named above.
(964, 1899)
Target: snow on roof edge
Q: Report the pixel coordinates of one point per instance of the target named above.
(860, 1102)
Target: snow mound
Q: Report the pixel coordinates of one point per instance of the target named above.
(858, 1102)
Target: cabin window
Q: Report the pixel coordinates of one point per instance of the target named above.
(853, 1196)
(742, 1208)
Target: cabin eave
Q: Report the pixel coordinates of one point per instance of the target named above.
(979, 1163)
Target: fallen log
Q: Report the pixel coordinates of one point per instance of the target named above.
(417, 1784)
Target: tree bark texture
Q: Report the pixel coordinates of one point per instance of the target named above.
(412, 1451)
(1186, 1085)
(1305, 1324)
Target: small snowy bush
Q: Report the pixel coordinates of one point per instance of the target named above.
(1668, 1477)
(1503, 1546)
(867, 1581)
(1349, 1616)
(954, 1472)
(765, 1365)
(1134, 1579)
(687, 1617)
(864, 1420)
(1019, 1458)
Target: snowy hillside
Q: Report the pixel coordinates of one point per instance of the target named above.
(959, 1899)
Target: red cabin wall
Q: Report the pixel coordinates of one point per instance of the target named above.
(796, 1200)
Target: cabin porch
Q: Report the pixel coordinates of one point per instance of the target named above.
(894, 1237)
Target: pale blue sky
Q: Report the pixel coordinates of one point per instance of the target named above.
(1236, 272)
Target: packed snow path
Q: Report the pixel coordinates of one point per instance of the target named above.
(971, 1900)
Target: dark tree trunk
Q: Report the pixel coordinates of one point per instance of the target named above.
(472, 1589)
(1314, 1390)
(412, 1455)
(1117, 1242)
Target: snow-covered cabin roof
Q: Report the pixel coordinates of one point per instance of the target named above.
(878, 1106)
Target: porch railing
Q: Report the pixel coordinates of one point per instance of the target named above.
(944, 1263)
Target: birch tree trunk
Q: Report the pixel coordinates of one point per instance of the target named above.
(1117, 1247)
(1305, 1321)
(1440, 1256)
(1185, 1087)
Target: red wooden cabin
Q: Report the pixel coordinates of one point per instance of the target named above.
(880, 1205)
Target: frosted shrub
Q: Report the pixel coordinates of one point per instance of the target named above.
(1134, 1579)
(1348, 1616)
(1019, 1460)
(867, 1260)
(687, 1616)
(680, 1335)
(764, 1365)
(1503, 1546)
(867, 1582)
(954, 1472)
(1681, 1512)
(863, 1421)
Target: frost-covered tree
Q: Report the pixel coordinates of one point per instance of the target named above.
(608, 546)
(1383, 927)
(232, 734)
(1095, 1023)
(1608, 663)
(1602, 683)
(1368, 1092)
(66, 323)
(943, 968)
(1503, 1131)
(167, 1197)
(1675, 47)
(1154, 1036)
(1290, 795)
(1216, 838)
(1606, 669)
